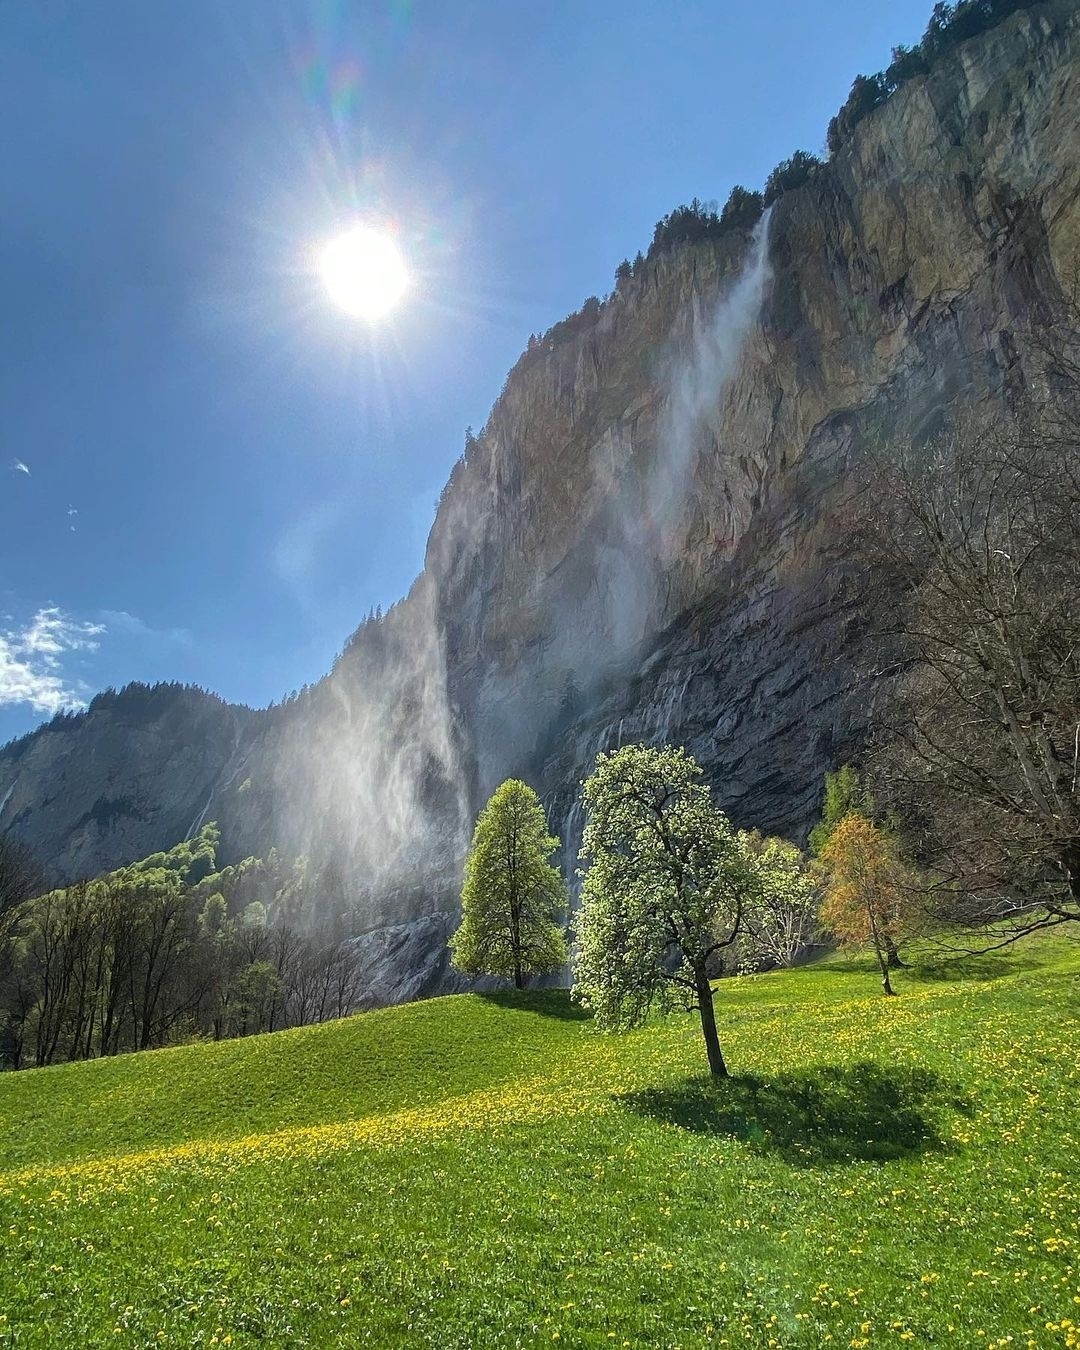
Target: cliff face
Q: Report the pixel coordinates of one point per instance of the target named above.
(637, 482)
(647, 540)
(110, 785)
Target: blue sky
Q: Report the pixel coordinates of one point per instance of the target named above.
(207, 473)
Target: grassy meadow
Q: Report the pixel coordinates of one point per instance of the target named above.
(477, 1171)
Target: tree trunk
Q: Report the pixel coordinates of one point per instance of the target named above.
(893, 955)
(515, 940)
(1070, 866)
(884, 963)
(717, 1067)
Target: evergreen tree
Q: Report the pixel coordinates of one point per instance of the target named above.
(789, 174)
(742, 210)
(513, 898)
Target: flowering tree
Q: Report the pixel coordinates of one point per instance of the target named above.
(664, 892)
(782, 919)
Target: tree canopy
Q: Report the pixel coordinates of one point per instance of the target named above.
(867, 890)
(949, 25)
(513, 899)
(782, 918)
(169, 947)
(845, 791)
(790, 174)
(664, 892)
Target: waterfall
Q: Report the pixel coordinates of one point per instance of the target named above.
(699, 382)
(666, 709)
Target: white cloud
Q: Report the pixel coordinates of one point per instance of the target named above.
(17, 466)
(31, 667)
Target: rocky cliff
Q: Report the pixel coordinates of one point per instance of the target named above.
(646, 541)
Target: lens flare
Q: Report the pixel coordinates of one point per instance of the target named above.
(364, 272)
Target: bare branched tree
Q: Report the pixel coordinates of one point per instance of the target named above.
(21, 876)
(972, 546)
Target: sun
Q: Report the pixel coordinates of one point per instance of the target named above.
(364, 272)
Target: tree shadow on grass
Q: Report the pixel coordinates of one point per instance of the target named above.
(546, 1002)
(827, 1115)
(954, 968)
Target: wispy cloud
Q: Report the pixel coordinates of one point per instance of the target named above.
(32, 660)
(17, 466)
(301, 547)
(120, 621)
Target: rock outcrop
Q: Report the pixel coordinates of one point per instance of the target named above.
(114, 783)
(647, 540)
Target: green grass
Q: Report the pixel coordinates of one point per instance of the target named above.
(489, 1171)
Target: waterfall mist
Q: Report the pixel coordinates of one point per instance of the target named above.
(700, 378)
(376, 770)
(623, 577)
(369, 776)
(641, 531)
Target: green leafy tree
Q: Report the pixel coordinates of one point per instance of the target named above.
(664, 894)
(258, 991)
(845, 791)
(160, 950)
(513, 897)
(217, 935)
(783, 917)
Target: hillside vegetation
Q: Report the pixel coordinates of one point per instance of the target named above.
(491, 1171)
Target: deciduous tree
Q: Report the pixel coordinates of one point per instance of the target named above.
(513, 898)
(782, 919)
(664, 893)
(973, 545)
(845, 791)
(867, 889)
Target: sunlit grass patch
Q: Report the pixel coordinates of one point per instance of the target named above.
(488, 1171)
